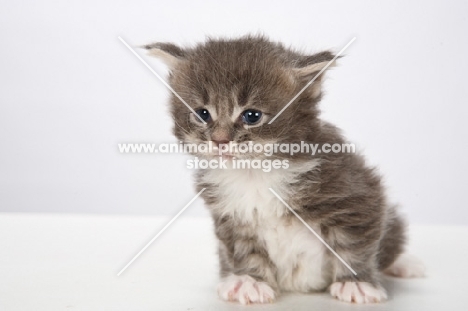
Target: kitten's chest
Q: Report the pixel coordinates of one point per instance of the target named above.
(297, 254)
(245, 194)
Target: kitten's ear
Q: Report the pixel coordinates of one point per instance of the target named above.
(309, 66)
(169, 53)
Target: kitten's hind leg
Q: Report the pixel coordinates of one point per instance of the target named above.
(393, 241)
(392, 260)
(406, 266)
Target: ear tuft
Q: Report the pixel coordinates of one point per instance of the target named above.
(324, 56)
(310, 65)
(169, 53)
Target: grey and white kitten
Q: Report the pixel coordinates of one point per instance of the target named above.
(236, 86)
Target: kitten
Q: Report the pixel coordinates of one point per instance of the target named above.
(236, 87)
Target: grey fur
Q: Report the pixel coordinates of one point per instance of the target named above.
(345, 197)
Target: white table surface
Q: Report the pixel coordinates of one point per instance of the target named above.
(70, 262)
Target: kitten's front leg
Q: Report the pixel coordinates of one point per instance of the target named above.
(358, 292)
(245, 289)
(248, 275)
(364, 287)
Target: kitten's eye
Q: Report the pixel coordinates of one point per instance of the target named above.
(251, 116)
(204, 114)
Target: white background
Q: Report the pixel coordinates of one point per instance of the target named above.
(70, 92)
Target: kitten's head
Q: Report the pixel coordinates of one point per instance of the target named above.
(237, 86)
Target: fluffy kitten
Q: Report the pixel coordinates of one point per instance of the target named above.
(236, 87)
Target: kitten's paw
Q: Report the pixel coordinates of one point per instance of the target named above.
(406, 266)
(245, 289)
(358, 292)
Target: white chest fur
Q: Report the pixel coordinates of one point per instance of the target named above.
(296, 252)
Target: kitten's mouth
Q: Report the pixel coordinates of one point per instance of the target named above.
(228, 152)
(225, 156)
(232, 156)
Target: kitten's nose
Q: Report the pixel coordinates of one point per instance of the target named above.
(220, 136)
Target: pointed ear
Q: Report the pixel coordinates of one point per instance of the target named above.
(169, 53)
(308, 67)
